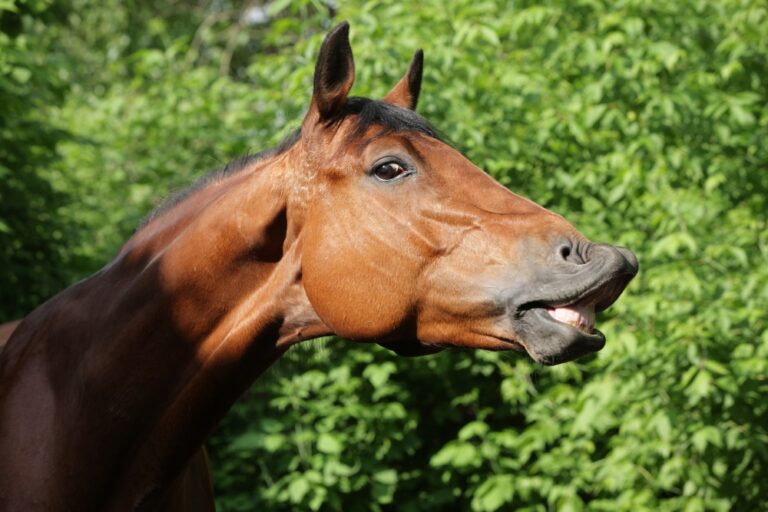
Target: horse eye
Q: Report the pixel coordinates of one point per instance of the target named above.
(389, 171)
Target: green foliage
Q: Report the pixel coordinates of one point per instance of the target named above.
(644, 123)
(31, 234)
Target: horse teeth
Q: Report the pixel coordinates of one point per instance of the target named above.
(582, 317)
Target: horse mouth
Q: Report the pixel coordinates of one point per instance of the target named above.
(580, 316)
(579, 310)
(559, 329)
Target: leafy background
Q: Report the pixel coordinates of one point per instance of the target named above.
(645, 123)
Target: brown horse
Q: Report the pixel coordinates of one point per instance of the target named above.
(364, 225)
(192, 489)
(6, 330)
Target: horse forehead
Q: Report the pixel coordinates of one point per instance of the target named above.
(400, 141)
(460, 179)
(449, 169)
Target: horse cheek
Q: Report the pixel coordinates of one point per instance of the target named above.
(354, 298)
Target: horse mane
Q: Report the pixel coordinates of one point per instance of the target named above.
(389, 118)
(232, 167)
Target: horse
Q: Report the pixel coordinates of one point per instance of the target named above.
(192, 491)
(6, 330)
(364, 224)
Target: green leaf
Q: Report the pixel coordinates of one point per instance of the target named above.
(493, 493)
(247, 441)
(297, 489)
(473, 429)
(706, 436)
(277, 6)
(457, 454)
(328, 443)
(379, 374)
(386, 476)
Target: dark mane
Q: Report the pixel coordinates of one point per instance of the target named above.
(389, 118)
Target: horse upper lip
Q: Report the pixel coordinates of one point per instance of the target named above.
(602, 293)
(600, 286)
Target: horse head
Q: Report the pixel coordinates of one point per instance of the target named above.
(408, 244)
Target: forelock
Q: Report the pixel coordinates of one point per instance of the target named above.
(390, 118)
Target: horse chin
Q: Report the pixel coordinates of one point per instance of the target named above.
(551, 342)
(410, 348)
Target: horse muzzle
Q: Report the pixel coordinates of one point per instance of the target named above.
(554, 317)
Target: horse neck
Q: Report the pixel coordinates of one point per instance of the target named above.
(157, 346)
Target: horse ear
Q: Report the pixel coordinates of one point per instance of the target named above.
(406, 92)
(334, 73)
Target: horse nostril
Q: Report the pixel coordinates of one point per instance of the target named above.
(571, 253)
